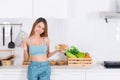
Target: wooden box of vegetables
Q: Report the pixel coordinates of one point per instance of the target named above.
(77, 58)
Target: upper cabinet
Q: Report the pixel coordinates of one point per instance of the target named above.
(33, 8)
(15, 8)
(50, 8)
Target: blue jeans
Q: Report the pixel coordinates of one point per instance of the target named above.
(39, 71)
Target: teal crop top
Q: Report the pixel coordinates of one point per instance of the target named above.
(35, 50)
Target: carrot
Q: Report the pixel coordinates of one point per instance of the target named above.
(87, 55)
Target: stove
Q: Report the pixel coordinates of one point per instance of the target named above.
(112, 64)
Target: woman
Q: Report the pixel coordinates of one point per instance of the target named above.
(36, 49)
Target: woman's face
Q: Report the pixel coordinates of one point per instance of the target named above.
(39, 28)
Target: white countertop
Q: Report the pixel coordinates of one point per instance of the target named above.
(94, 67)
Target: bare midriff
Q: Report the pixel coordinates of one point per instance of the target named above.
(39, 58)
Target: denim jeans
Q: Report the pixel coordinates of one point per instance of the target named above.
(39, 71)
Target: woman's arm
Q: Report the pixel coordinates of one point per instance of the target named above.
(26, 56)
(49, 54)
(26, 52)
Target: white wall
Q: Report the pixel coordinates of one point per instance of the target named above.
(85, 29)
(56, 29)
(90, 33)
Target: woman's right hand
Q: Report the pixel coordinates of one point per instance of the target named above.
(23, 45)
(25, 63)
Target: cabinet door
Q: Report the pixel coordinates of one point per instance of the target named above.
(15, 8)
(50, 8)
(103, 75)
(68, 75)
(13, 75)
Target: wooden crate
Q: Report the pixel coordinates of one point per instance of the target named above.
(80, 62)
(7, 62)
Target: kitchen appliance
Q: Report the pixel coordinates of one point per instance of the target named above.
(0, 63)
(112, 64)
(3, 36)
(117, 3)
(11, 44)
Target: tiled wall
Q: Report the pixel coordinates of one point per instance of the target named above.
(56, 31)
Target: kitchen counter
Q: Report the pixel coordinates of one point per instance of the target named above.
(94, 67)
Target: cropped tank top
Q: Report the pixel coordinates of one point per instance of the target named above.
(40, 49)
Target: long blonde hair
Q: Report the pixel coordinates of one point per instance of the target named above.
(45, 33)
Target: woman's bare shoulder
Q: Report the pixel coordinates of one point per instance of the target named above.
(46, 38)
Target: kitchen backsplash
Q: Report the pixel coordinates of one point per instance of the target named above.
(56, 29)
(95, 37)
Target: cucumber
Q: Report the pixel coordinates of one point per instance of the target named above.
(80, 55)
(70, 55)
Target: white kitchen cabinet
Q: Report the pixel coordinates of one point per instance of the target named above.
(110, 75)
(15, 8)
(63, 73)
(13, 75)
(66, 75)
(55, 75)
(50, 8)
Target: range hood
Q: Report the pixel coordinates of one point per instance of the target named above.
(112, 14)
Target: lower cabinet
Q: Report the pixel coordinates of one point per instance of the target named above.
(66, 75)
(55, 75)
(103, 75)
(10, 75)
